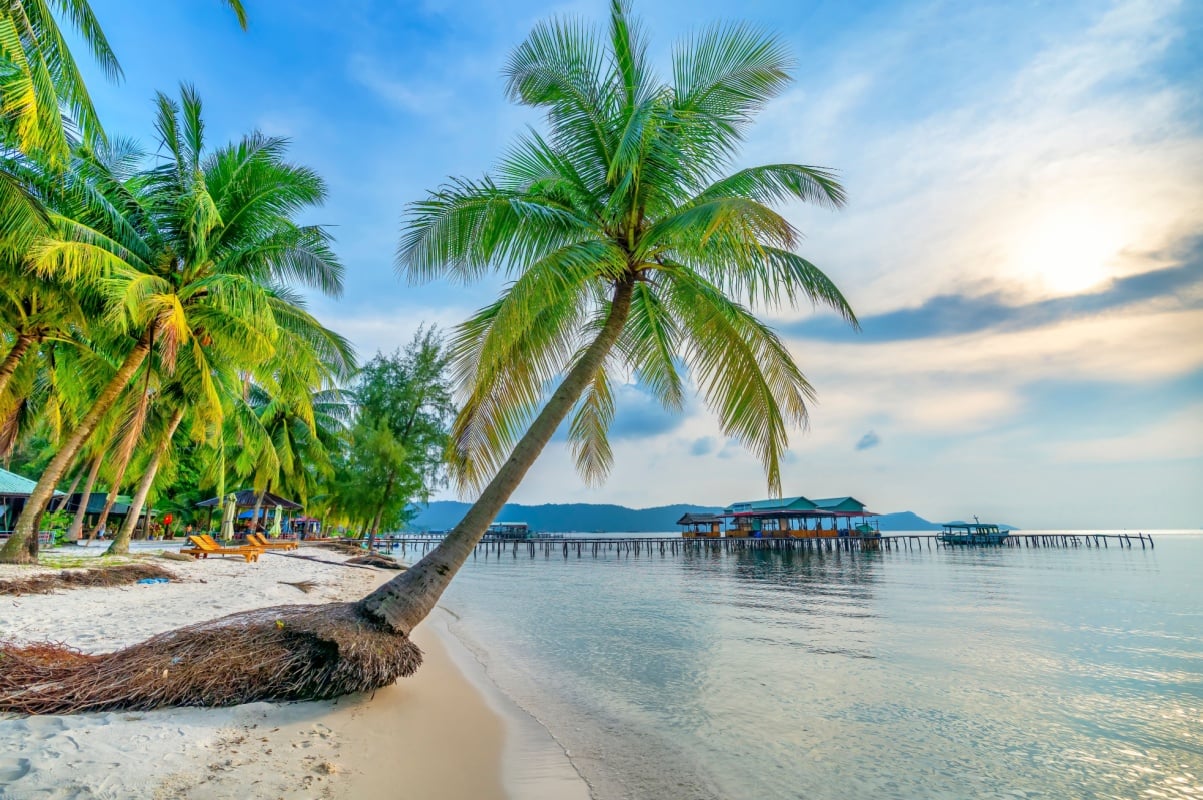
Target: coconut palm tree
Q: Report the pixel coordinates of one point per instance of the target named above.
(31, 310)
(39, 78)
(630, 247)
(187, 255)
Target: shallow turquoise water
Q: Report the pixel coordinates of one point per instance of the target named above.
(943, 673)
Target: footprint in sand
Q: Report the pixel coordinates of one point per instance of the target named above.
(13, 769)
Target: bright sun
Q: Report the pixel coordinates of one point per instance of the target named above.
(1068, 249)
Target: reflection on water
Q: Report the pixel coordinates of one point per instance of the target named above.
(948, 673)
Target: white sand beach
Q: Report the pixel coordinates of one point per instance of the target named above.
(434, 735)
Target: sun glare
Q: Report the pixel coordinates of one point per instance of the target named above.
(1068, 250)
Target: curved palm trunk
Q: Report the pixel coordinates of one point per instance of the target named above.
(79, 474)
(77, 523)
(9, 366)
(128, 443)
(120, 543)
(110, 500)
(258, 506)
(407, 599)
(21, 547)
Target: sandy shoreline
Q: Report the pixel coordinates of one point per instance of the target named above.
(444, 733)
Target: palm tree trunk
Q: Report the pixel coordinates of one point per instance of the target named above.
(258, 506)
(126, 452)
(19, 549)
(79, 473)
(13, 358)
(120, 543)
(407, 599)
(77, 524)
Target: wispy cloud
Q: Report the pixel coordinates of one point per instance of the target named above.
(869, 440)
(1035, 186)
(419, 97)
(1174, 288)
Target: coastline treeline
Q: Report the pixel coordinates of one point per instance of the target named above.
(155, 337)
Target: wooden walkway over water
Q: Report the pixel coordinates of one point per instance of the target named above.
(676, 545)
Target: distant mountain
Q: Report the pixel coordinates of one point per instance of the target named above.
(905, 521)
(910, 521)
(594, 517)
(566, 517)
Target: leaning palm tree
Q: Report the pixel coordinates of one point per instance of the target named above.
(183, 256)
(631, 248)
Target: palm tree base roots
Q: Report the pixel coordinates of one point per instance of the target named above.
(313, 652)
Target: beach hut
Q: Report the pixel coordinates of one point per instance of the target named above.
(250, 499)
(305, 527)
(94, 504)
(701, 526)
(14, 491)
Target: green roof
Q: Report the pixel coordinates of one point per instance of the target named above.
(840, 504)
(96, 501)
(13, 484)
(798, 503)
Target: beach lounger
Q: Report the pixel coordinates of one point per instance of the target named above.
(204, 546)
(259, 540)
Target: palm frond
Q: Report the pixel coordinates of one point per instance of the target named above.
(587, 433)
(746, 374)
(650, 343)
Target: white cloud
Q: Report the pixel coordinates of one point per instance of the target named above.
(1038, 185)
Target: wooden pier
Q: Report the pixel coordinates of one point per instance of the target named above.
(595, 546)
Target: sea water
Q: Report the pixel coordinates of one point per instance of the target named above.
(932, 673)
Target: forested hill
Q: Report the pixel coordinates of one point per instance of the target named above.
(563, 517)
(594, 517)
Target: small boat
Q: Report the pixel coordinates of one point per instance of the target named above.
(867, 531)
(971, 533)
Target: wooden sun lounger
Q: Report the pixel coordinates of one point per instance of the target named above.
(259, 540)
(204, 546)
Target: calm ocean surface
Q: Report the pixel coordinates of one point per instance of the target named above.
(1060, 673)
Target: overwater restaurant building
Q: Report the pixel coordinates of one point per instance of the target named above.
(798, 517)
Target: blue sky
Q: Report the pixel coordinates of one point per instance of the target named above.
(1024, 240)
